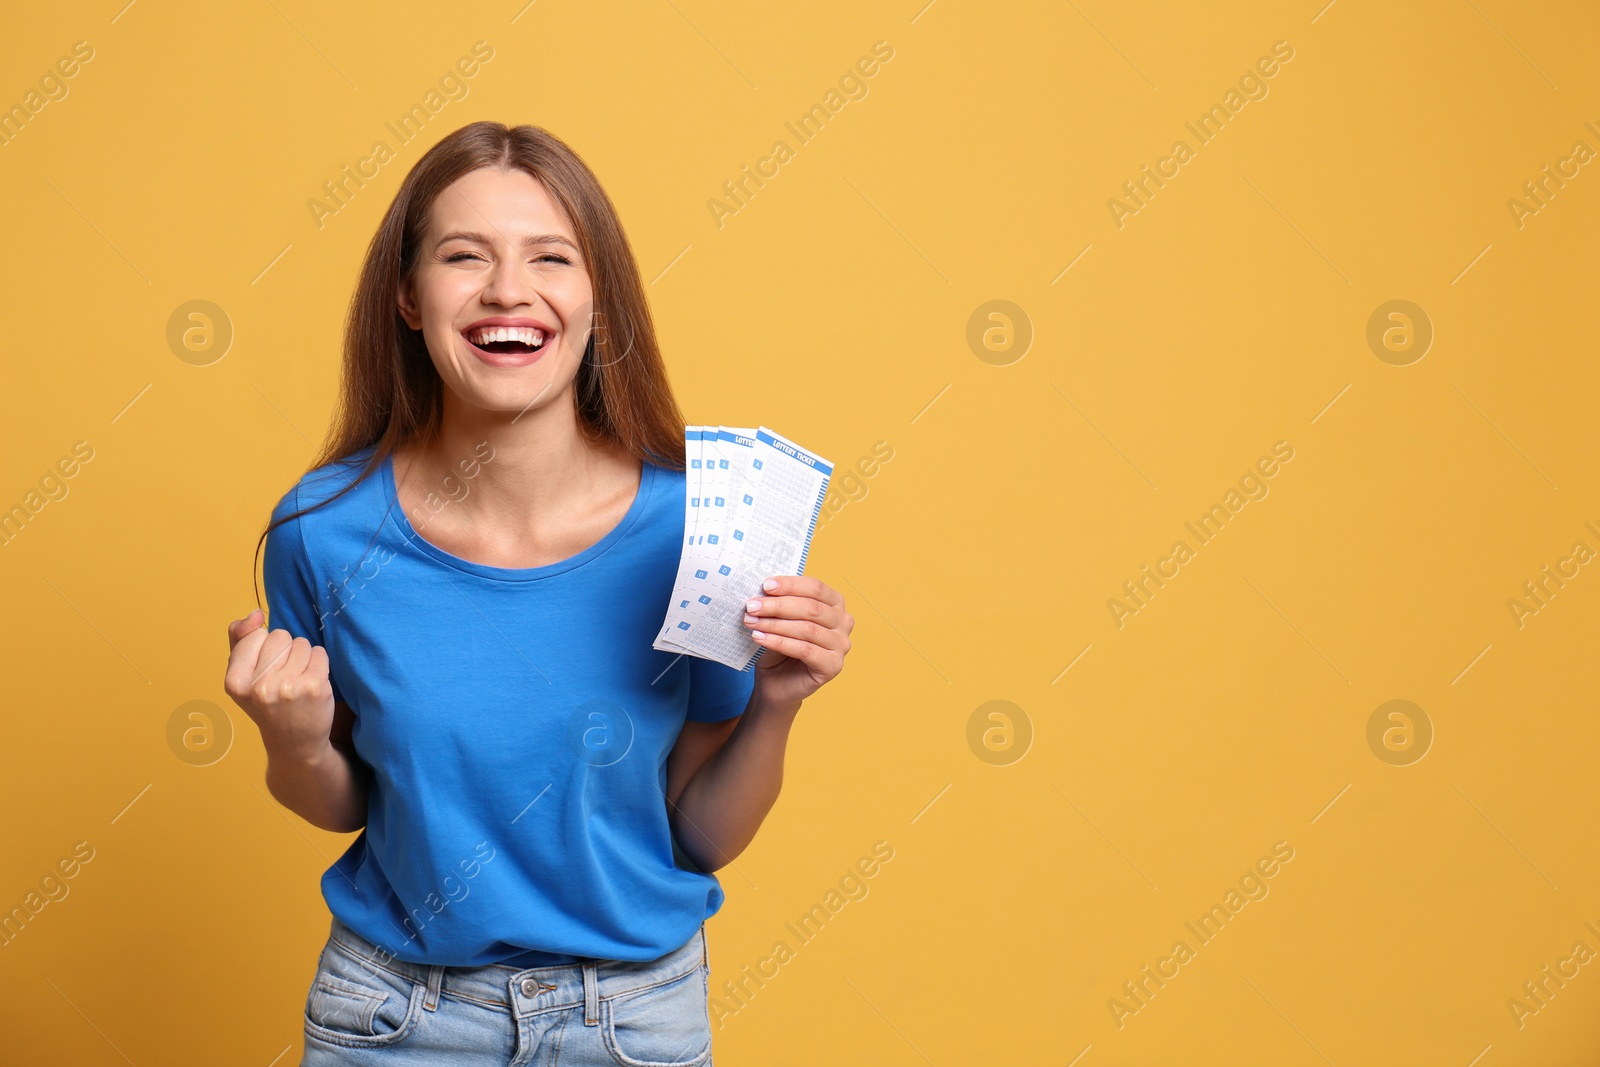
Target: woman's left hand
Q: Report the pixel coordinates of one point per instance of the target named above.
(802, 624)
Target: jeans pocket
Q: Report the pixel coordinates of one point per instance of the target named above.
(663, 1025)
(356, 1003)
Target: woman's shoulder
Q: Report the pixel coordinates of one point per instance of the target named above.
(666, 474)
(323, 488)
(668, 486)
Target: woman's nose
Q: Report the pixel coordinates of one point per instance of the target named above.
(510, 285)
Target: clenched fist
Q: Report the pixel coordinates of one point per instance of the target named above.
(282, 683)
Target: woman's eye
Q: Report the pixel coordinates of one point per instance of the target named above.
(550, 257)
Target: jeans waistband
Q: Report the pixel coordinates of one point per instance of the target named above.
(531, 990)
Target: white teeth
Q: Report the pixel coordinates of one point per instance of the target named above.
(491, 334)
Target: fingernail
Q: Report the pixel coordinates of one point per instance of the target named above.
(752, 605)
(757, 634)
(770, 584)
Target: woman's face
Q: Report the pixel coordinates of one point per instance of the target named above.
(500, 292)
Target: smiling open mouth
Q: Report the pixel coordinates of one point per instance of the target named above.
(507, 340)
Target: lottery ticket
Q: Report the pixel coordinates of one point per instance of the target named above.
(751, 502)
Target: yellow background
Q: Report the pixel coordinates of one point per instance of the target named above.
(1228, 314)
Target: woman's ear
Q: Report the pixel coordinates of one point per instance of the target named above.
(408, 306)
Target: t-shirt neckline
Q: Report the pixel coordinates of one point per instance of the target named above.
(402, 522)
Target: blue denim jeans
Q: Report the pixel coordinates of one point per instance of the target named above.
(365, 1007)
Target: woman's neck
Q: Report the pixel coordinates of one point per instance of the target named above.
(505, 478)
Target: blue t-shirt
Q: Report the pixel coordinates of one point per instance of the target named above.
(517, 722)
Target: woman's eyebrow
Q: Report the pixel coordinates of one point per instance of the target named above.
(531, 239)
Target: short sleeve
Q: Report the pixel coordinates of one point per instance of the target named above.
(286, 573)
(717, 692)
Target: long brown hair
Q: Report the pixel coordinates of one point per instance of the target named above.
(390, 393)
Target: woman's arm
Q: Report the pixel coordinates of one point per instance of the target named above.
(723, 779)
(282, 682)
(326, 784)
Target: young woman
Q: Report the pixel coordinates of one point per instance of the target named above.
(466, 587)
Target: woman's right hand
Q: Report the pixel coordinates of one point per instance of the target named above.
(281, 682)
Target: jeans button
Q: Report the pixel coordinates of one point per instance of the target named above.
(529, 987)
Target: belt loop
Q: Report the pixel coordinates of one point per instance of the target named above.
(591, 996)
(435, 983)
